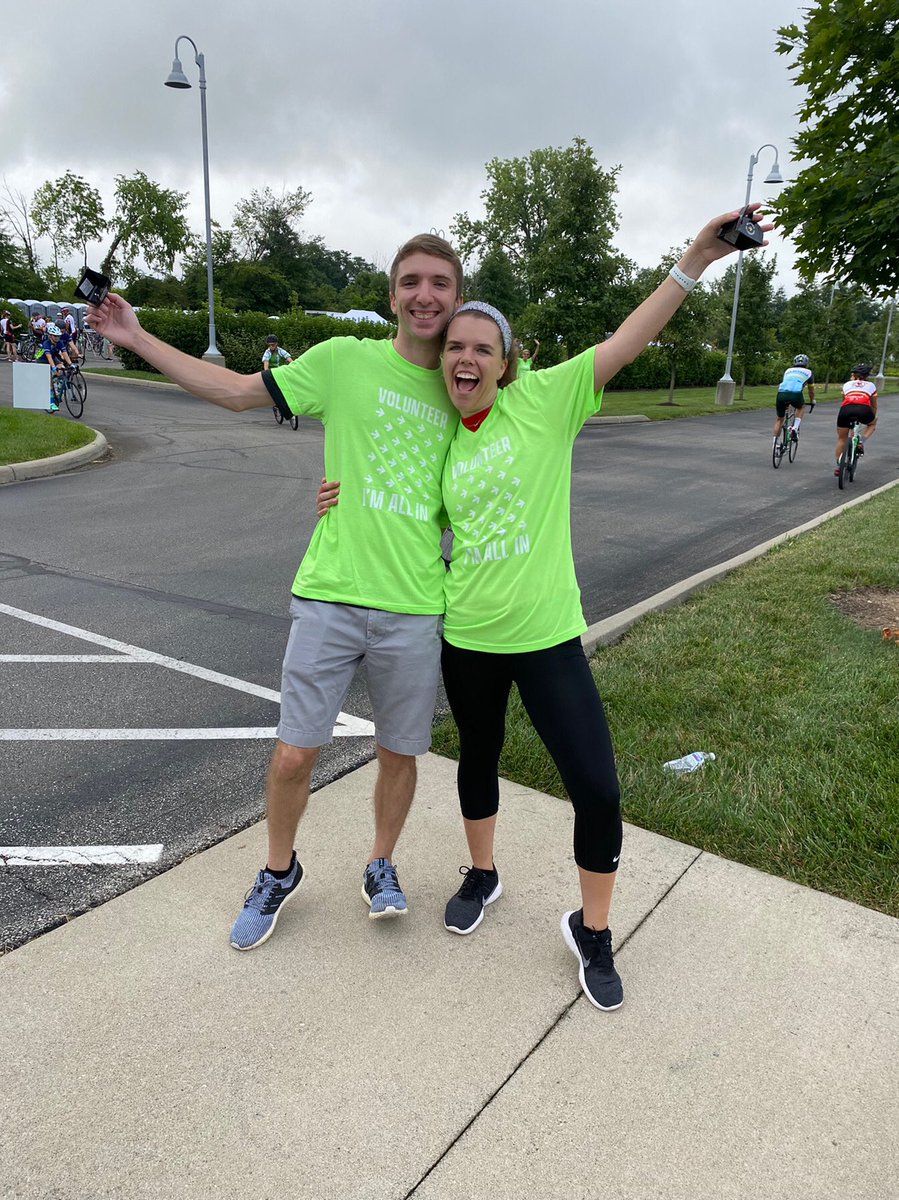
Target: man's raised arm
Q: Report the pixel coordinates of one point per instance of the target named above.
(116, 320)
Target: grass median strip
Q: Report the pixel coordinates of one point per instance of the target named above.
(28, 435)
(799, 702)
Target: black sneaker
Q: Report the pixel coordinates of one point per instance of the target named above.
(794, 435)
(599, 979)
(861, 449)
(465, 911)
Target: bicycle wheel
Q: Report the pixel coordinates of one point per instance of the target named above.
(294, 422)
(76, 393)
(777, 451)
(279, 416)
(792, 446)
(853, 460)
(841, 469)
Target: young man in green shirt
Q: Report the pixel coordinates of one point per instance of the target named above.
(370, 586)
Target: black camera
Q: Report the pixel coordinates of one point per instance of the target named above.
(93, 287)
(743, 232)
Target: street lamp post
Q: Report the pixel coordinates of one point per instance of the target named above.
(177, 79)
(880, 379)
(724, 393)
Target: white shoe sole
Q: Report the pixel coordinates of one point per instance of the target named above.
(390, 911)
(494, 895)
(572, 946)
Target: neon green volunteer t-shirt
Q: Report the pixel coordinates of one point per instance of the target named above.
(388, 427)
(507, 490)
(524, 364)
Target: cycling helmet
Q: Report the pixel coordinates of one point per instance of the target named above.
(801, 360)
(271, 339)
(54, 330)
(862, 369)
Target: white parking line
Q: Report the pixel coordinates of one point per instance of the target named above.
(346, 726)
(66, 856)
(69, 658)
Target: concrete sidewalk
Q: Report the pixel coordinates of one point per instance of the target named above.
(755, 1056)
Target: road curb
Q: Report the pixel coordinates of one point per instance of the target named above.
(637, 417)
(138, 383)
(40, 468)
(612, 629)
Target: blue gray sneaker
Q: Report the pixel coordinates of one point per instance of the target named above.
(262, 907)
(381, 890)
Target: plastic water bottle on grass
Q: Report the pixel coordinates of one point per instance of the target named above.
(690, 762)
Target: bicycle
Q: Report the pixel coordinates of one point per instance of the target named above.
(69, 386)
(279, 417)
(848, 463)
(96, 343)
(28, 347)
(786, 444)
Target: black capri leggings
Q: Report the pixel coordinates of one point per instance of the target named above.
(560, 697)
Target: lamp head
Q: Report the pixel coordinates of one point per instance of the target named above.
(774, 175)
(177, 78)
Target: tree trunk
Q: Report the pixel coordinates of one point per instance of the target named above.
(670, 400)
(106, 265)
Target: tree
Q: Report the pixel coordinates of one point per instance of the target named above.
(70, 213)
(266, 225)
(843, 208)
(16, 277)
(150, 292)
(495, 282)
(553, 215)
(686, 334)
(15, 209)
(754, 335)
(369, 291)
(149, 222)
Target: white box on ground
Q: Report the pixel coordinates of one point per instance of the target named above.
(31, 385)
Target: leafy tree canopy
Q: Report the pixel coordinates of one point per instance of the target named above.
(843, 208)
(149, 223)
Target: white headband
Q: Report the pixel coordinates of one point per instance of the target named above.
(494, 314)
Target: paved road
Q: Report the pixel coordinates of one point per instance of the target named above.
(185, 545)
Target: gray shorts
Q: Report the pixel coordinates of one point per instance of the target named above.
(327, 642)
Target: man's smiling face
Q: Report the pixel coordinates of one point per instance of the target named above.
(425, 296)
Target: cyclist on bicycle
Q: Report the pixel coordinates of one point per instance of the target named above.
(790, 393)
(274, 354)
(70, 328)
(54, 351)
(859, 404)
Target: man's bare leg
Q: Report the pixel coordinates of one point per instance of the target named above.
(287, 794)
(394, 791)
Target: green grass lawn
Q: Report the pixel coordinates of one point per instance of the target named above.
(153, 376)
(28, 435)
(695, 402)
(800, 705)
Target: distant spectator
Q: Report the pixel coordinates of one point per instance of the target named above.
(526, 360)
(8, 331)
(275, 352)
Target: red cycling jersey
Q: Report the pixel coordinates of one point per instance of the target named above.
(858, 391)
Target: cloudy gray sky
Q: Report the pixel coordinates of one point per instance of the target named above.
(388, 111)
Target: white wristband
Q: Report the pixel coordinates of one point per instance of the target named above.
(685, 281)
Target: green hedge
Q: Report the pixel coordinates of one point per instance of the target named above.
(241, 337)
(650, 370)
